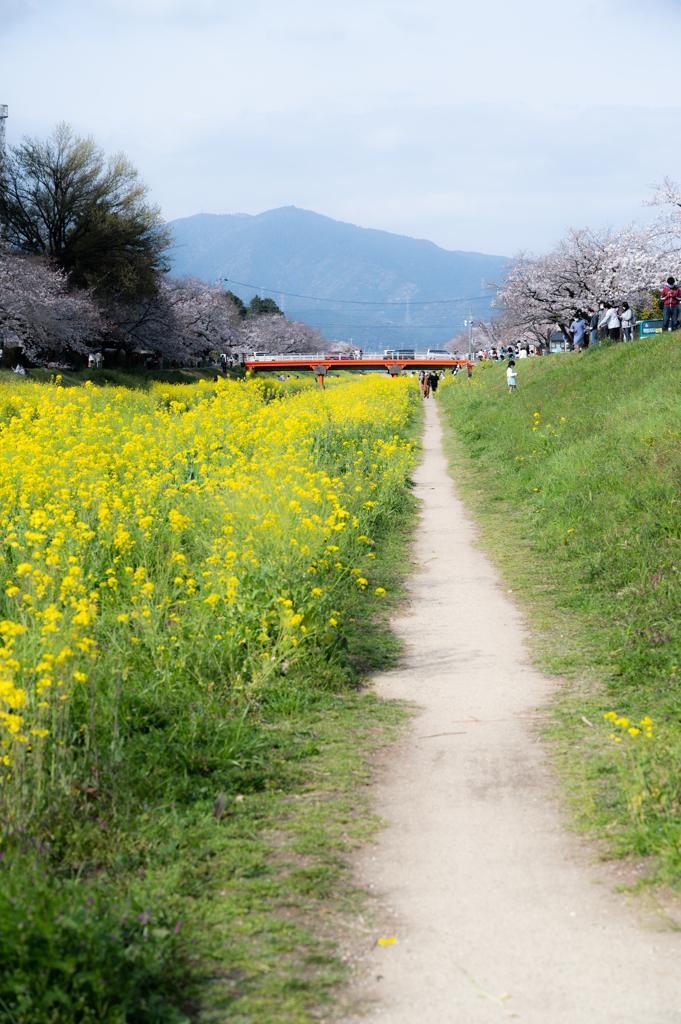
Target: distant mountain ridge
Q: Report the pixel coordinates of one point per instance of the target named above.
(354, 275)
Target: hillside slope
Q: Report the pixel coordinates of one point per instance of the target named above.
(298, 251)
(576, 479)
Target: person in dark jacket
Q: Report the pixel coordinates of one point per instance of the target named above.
(593, 326)
(670, 304)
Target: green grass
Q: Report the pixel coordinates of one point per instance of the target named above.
(576, 482)
(178, 915)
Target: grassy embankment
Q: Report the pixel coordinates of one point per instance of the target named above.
(576, 483)
(193, 585)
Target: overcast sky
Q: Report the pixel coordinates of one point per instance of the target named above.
(489, 126)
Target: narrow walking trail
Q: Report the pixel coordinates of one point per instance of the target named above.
(498, 911)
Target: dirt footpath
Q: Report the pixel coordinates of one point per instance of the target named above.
(498, 911)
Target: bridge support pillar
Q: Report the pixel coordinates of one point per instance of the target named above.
(321, 374)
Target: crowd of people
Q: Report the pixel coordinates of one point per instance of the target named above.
(617, 321)
(430, 379)
(518, 350)
(611, 320)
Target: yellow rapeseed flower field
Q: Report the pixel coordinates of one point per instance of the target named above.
(193, 535)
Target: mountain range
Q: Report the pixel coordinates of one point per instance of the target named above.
(374, 288)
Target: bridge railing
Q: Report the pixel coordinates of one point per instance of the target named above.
(324, 357)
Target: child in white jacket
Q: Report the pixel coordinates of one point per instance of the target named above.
(511, 376)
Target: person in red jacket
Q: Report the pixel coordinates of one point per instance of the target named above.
(670, 304)
(469, 367)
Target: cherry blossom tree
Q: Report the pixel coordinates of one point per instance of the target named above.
(540, 293)
(45, 318)
(186, 319)
(189, 319)
(278, 334)
(38, 312)
(666, 228)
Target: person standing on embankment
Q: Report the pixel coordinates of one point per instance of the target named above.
(612, 322)
(577, 328)
(593, 326)
(670, 304)
(628, 319)
(511, 376)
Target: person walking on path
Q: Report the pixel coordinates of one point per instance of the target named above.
(433, 380)
(628, 319)
(670, 304)
(578, 327)
(426, 385)
(511, 377)
(593, 326)
(612, 323)
(602, 317)
(469, 367)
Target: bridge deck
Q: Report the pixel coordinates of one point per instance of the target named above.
(317, 363)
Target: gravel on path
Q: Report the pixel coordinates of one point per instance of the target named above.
(498, 910)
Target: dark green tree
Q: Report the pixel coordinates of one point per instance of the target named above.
(236, 301)
(258, 307)
(62, 198)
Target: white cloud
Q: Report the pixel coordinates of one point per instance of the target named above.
(488, 126)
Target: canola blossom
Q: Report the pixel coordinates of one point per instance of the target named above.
(644, 727)
(194, 532)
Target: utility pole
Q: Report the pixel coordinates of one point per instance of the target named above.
(4, 113)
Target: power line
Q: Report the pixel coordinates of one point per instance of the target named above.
(392, 327)
(379, 312)
(351, 302)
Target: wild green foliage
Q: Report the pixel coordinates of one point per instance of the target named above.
(580, 476)
(84, 951)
